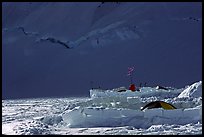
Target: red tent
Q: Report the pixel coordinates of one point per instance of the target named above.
(132, 87)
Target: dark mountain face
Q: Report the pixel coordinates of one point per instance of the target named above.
(163, 41)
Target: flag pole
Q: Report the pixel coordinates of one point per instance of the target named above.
(131, 79)
(130, 71)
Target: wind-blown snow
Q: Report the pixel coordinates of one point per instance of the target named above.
(105, 115)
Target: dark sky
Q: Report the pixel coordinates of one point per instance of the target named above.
(163, 41)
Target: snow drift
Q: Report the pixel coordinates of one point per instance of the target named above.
(195, 90)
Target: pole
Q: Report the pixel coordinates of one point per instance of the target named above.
(131, 79)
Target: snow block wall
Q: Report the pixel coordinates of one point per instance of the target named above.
(133, 100)
(144, 92)
(90, 117)
(150, 113)
(193, 113)
(131, 113)
(174, 113)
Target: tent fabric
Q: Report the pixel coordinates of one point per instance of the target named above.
(167, 106)
(158, 104)
(132, 87)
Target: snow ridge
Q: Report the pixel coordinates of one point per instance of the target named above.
(38, 38)
(106, 35)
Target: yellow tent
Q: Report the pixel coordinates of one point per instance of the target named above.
(158, 104)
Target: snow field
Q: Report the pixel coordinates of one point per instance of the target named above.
(103, 115)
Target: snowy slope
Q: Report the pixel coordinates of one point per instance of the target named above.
(162, 40)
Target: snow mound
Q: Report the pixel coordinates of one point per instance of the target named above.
(195, 90)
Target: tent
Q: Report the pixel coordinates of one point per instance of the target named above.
(132, 87)
(158, 104)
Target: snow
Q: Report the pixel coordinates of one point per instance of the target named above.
(164, 43)
(144, 91)
(195, 90)
(82, 117)
(119, 115)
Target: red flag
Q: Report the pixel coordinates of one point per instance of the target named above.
(130, 70)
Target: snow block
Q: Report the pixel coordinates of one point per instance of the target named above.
(114, 113)
(131, 113)
(174, 113)
(102, 117)
(200, 113)
(149, 113)
(73, 117)
(98, 112)
(193, 113)
(133, 100)
(120, 99)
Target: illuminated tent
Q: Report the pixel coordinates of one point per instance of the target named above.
(158, 104)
